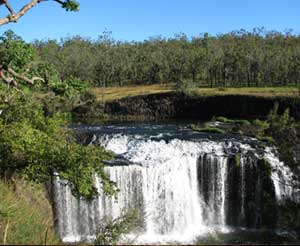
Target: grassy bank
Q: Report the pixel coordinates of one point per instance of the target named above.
(25, 215)
(250, 91)
(115, 93)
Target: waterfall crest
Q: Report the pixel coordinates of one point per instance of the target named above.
(183, 188)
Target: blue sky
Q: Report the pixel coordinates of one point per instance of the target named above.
(140, 19)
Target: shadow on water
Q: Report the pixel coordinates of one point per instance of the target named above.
(251, 236)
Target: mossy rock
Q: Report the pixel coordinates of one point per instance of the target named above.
(207, 129)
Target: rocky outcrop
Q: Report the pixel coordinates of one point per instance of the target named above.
(180, 106)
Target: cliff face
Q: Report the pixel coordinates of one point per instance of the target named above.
(180, 106)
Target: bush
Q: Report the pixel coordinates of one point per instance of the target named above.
(111, 231)
(47, 72)
(39, 147)
(184, 86)
(70, 87)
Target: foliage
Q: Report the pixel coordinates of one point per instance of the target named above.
(266, 168)
(237, 59)
(284, 132)
(15, 52)
(185, 86)
(69, 88)
(262, 126)
(47, 72)
(279, 124)
(53, 104)
(39, 147)
(111, 231)
(70, 5)
(237, 160)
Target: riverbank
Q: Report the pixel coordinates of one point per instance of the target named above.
(177, 105)
(160, 102)
(109, 94)
(157, 104)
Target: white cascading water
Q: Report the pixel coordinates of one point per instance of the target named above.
(161, 180)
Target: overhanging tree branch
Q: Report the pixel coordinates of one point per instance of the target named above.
(23, 77)
(18, 15)
(7, 74)
(7, 5)
(69, 5)
(5, 71)
(7, 80)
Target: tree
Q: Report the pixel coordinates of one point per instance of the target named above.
(7, 73)
(15, 54)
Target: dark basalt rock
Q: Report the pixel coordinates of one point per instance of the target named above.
(179, 106)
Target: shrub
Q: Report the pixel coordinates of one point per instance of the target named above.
(70, 87)
(39, 147)
(111, 231)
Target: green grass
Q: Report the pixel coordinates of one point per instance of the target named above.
(25, 214)
(250, 91)
(114, 93)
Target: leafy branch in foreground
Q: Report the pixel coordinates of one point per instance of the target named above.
(15, 55)
(111, 232)
(14, 16)
(39, 147)
(7, 73)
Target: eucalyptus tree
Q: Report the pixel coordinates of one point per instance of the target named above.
(239, 58)
(78, 57)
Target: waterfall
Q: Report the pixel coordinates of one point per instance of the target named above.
(182, 187)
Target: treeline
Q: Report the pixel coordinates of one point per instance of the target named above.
(239, 58)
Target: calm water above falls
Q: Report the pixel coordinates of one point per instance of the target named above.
(185, 184)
